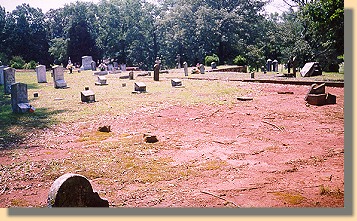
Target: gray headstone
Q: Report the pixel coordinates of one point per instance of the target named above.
(213, 65)
(176, 82)
(110, 67)
(311, 69)
(123, 67)
(2, 74)
(41, 73)
(116, 65)
(87, 96)
(73, 190)
(86, 63)
(202, 69)
(102, 80)
(269, 63)
(275, 65)
(185, 68)
(9, 79)
(93, 66)
(156, 72)
(58, 77)
(131, 75)
(19, 98)
(139, 87)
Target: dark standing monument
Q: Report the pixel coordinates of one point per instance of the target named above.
(156, 72)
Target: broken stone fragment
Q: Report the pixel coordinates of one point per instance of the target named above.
(104, 129)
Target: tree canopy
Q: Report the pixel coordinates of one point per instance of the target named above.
(135, 32)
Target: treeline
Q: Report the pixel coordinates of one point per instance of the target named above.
(135, 32)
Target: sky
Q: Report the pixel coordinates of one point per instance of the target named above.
(276, 5)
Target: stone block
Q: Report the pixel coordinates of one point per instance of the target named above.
(139, 87)
(176, 82)
(87, 96)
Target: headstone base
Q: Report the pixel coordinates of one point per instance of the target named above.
(87, 96)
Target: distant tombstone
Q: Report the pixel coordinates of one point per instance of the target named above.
(294, 65)
(73, 190)
(156, 72)
(87, 96)
(116, 65)
(202, 69)
(213, 65)
(178, 59)
(269, 63)
(176, 82)
(158, 62)
(2, 74)
(19, 98)
(102, 80)
(139, 87)
(58, 77)
(110, 67)
(311, 69)
(86, 63)
(123, 67)
(93, 66)
(131, 75)
(9, 79)
(41, 73)
(185, 68)
(275, 65)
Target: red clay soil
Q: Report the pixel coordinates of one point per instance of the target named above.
(272, 151)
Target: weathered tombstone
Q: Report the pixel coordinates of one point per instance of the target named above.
(116, 65)
(2, 74)
(178, 59)
(176, 82)
(185, 68)
(131, 75)
(156, 72)
(93, 66)
(110, 67)
(158, 62)
(123, 67)
(269, 62)
(102, 80)
(139, 87)
(9, 79)
(311, 69)
(41, 73)
(275, 65)
(73, 190)
(213, 65)
(86, 63)
(202, 69)
(251, 74)
(294, 64)
(58, 77)
(87, 95)
(19, 98)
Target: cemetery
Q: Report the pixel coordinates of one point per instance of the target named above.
(221, 140)
(174, 104)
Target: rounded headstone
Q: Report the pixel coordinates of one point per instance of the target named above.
(73, 190)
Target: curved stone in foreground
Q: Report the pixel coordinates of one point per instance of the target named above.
(73, 190)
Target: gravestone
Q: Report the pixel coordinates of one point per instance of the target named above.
(156, 72)
(269, 63)
(93, 66)
(275, 65)
(2, 74)
(158, 62)
(139, 87)
(9, 79)
(213, 65)
(131, 75)
(19, 98)
(102, 80)
(86, 63)
(123, 67)
(73, 190)
(41, 73)
(202, 69)
(87, 96)
(294, 64)
(185, 68)
(176, 82)
(311, 69)
(116, 65)
(110, 67)
(58, 77)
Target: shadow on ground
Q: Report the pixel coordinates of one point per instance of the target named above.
(15, 127)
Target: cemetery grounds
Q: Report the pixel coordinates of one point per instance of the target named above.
(213, 150)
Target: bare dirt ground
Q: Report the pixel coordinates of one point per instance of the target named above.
(272, 151)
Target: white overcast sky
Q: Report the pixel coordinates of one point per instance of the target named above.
(45, 5)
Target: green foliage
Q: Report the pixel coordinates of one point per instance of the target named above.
(211, 58)
(17, 62)
(240, 60)
(30, 65)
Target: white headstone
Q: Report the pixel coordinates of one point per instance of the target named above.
(19, 98)
(185, 68)
(41, 73)
(2, 74)
(58, 77)
(9, 79)
(86, 63)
